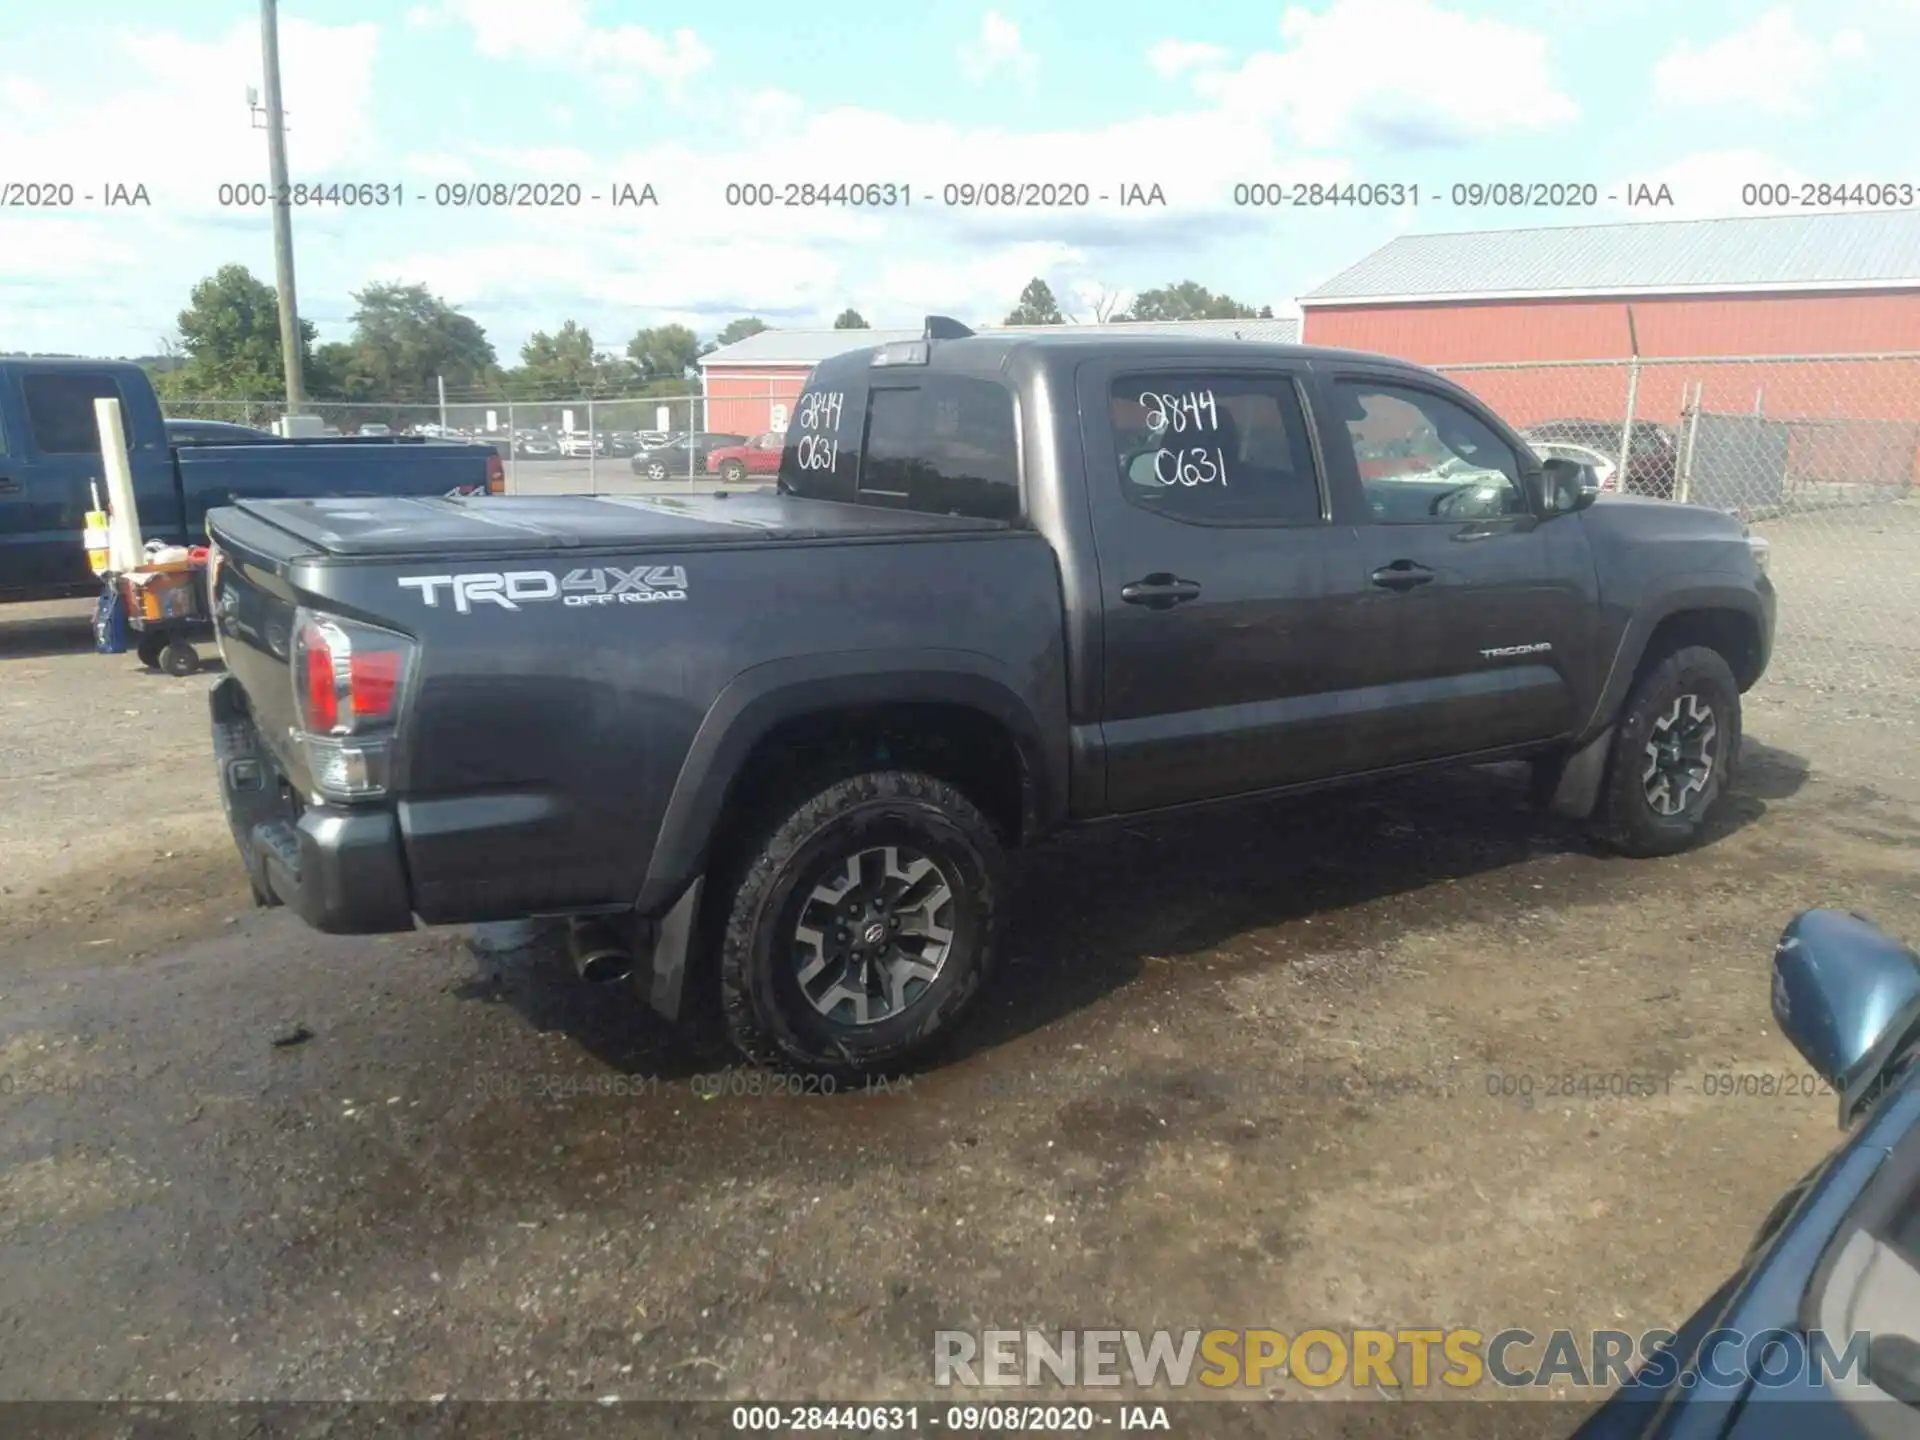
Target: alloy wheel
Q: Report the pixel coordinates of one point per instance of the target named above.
(1680, 751)
(873, 936)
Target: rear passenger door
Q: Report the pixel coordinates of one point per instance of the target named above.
(1481, 613)
(1229, 596)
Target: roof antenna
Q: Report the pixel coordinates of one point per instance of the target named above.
(943, 327)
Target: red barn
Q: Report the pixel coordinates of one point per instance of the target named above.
(1764, 306)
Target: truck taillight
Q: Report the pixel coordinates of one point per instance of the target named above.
(349, 683)
(496, 475)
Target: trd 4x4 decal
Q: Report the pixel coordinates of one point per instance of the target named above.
(510, 589)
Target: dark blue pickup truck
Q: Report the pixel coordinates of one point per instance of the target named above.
(50, 461)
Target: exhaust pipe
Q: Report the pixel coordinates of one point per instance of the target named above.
(599, 954)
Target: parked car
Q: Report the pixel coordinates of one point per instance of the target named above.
(779, 743)
(50, 469)
(759, 456)
(1654, 466)
(580, 444)
(1835, 1266)
(621, 444)
(682, 456)
(215, 432)
(374, 429)
(536, 445)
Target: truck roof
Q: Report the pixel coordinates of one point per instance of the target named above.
(69, 362)
(991, 351)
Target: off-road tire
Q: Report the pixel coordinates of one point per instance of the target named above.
(767, 1017)
(1626, 820)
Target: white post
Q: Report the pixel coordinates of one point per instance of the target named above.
(124, 540)
(441, 382)
(513, 454)
(593, 444)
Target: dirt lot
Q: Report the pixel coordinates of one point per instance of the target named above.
(1237, 1075)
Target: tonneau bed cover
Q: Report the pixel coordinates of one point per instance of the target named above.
(388, 528)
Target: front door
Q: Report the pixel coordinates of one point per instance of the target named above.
(1480, 613)
(1228, 596)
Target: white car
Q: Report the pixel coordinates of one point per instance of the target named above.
(1603, 468)
(579, 444)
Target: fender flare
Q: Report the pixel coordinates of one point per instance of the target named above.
(769, 694)
(1706, 592)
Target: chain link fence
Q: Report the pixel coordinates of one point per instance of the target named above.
(550, 447)
(1818, 454)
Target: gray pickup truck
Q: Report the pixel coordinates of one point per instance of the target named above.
(773, 749)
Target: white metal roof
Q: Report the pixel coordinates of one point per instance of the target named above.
(809, 347)
(1859, 250)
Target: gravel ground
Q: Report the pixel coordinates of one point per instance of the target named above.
(1237, 1074)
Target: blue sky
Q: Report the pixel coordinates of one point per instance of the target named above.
(1701, 97)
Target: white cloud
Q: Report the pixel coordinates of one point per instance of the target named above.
(1771, 66)
(620, 60)
(182, 125)
(1343, 73)
(999, 51)
(1176, 57)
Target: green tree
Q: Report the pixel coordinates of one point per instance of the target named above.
(737, 330)
(1186, 300)
(557, 366)
(665, 352)
(230, 335)
(405, 339)
(1037, 306)
(851, 319)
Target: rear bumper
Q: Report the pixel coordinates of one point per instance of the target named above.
(340, 869)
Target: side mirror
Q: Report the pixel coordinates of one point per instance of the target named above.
(1848, 996)
(1563, 486)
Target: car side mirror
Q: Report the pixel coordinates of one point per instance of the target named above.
(1848, 996)
(1562, 486)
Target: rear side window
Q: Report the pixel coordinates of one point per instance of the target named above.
(946, 444)
(1200, 446)
(941, 444)
(60, 411)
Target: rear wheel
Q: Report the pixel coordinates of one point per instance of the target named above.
(732, 471)
(149, 648)
(1673, 753)
(179, 659)
(656, 470)
(862, 927)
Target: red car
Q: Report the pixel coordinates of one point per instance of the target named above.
(759, 456)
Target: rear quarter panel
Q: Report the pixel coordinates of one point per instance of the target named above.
(541, 745)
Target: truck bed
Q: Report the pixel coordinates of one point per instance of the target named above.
(396, 528)
(543, 741)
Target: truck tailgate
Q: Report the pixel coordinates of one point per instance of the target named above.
(397, 528)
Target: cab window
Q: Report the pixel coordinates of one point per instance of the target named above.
(1201, 446)
(1422, 458)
